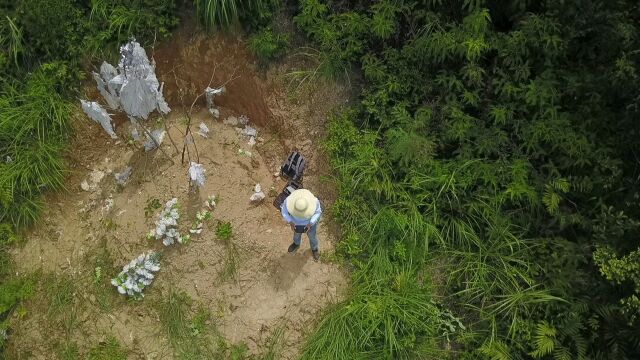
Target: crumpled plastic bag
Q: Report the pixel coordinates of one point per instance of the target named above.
(203, 130)
(134, 85)
(109, 93)
(98, 114)
(250, 131)
(258, 195)
(123, 177)
(135, 135)
(196, 174)
(158, 136)
(209, 94)
(138, 97)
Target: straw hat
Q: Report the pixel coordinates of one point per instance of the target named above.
(302, 204)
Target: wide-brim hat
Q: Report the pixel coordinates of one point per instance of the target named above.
(302, 204)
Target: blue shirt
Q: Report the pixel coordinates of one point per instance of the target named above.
(290, 219)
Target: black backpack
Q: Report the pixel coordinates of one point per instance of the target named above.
(293, 168)
(291, 187)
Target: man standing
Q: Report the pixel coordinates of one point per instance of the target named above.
(302, 211)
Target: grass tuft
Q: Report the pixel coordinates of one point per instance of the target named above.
(191, 332)
(273, 345)
(34, 122)
(103, 264)
(224, 232)
(68, 351)
(230, 269)
(217, 13)
(61, 292)
(108, 350)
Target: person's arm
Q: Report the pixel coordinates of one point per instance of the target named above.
(285, 214)
(316, 215)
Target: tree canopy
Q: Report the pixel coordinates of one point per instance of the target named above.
(495, 145)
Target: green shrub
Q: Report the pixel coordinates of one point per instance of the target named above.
(7, 238)
(7, 235)
(224, 231)
(12, 292)
(268, 45)
(111, 23)
(52, 29)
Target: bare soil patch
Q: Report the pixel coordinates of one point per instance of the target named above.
(81, 231)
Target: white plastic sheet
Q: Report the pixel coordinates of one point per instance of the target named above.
(167, 225)
(257, 195)
(196, 174)
(133, 86)
(250, 131)
(209, 95)
(203, 130)
(107, 73)
(98, 114)
(158, 136)
(123, 177)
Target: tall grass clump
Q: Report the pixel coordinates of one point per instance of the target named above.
(11, 42)
(385, 316)
(224, 233)
(217, 14)
(35, 121)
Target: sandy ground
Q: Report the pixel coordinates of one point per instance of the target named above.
(271, 289)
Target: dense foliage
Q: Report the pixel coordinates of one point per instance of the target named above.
(494, 149)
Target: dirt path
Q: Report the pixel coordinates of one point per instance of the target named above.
(271, 289)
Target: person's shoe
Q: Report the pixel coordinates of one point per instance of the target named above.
(293, 247)
(316, 255)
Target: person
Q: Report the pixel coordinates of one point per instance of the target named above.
(302, 210)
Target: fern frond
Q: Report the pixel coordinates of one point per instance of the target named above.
(495, 350)
(562, 353)
(544, 340)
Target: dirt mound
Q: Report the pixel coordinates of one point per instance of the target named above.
(186, 65)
